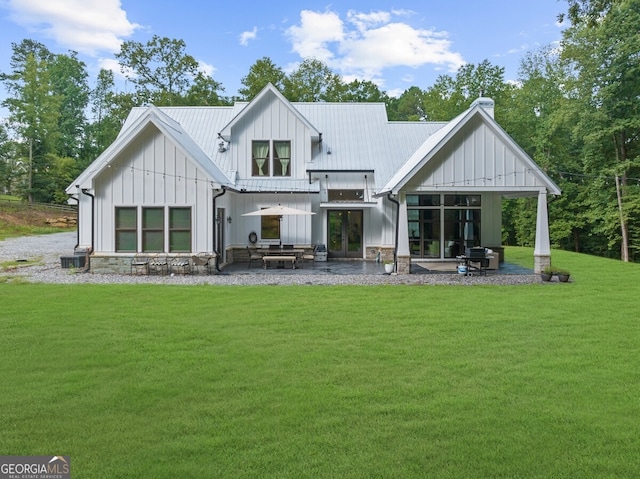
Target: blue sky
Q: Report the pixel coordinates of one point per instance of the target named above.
(395, 44)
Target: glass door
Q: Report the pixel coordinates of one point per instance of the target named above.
(345, 233)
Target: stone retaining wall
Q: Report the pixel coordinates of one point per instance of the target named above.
(63, 221)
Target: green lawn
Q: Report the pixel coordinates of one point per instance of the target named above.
(328, 382)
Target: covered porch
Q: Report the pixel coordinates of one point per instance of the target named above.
(439, 227)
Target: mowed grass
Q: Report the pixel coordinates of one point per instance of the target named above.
(312, 381)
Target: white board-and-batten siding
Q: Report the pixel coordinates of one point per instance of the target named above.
(294, 229)
(476, 158)
(153, 172)
(273, 121)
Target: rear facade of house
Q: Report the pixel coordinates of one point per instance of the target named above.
(178, 181)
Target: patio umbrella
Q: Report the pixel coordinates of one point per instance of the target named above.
(278, 211)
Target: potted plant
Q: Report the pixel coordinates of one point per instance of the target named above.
(388, 267)
(563, 275)
(546, 273)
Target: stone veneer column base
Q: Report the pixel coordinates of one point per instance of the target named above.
(404, 265)
(541, 262)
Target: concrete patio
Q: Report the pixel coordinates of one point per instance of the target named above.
(362, 267)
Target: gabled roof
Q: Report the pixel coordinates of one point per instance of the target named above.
(170, 128)
(268, 93)
(356, 137)
(436, 142)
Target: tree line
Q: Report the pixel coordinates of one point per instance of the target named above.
(574, 109)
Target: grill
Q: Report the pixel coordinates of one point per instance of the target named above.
(475, 253)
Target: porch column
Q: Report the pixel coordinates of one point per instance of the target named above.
(542, 250)
(403, 265)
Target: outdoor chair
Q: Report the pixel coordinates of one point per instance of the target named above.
(158, 265)
(212, 265)
(199, 261)
(253, 255)
(307, 257)
(140, 264)
(180, 265)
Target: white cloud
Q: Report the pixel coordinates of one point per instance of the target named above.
(206, 68)
(245, 37)
(113, 65)
(362, 21)
(312, 38)
(86, 26)
(395, 92)
(370, 43)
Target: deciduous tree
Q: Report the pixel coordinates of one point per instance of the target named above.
(606, 86)
(163, 73)
(261, 73)
(312, 81)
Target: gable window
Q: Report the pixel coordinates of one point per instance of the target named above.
(281, 158)
(126, 229)
(152, 229)
(179, 230)
(271, 158)
(260, 158)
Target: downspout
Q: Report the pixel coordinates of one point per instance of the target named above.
(215, 231)
(395, 248)
(85, 191)
(77, 223)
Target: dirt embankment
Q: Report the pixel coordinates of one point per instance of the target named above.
(25, 217)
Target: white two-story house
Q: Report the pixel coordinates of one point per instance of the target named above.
(178, 180)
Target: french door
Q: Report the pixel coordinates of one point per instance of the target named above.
(345, 233)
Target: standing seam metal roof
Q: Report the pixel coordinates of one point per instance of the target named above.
(359, 135)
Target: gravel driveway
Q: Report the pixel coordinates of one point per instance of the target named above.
(47, 249)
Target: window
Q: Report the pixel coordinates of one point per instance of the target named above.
(271, 161)
(424, 232)
(462, 200)
(126, 229)
(281, 158)
(461, 230)
(180, 230)
(270, 227)
(152, 229)
(442, 226)
(423, 200)
(337, 196)
(260, 158)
